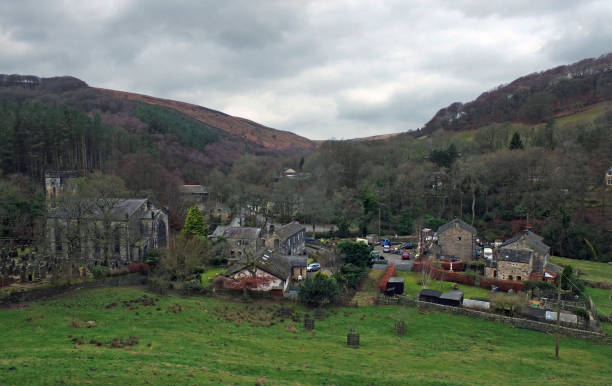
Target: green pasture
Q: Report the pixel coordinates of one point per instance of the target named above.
(223, 341)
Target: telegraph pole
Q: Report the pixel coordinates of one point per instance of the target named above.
(558, 316)
(379, 221)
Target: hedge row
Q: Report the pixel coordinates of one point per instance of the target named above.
(461, 278)
(503, 285)
(457, 266)
(389, 273)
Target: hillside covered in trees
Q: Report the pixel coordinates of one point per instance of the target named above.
(154, 145)
(532, 98)
(494, 166)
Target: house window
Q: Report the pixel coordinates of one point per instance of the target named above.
(58, 240)
(495, 273)
(609, 182)
(117, 240)
(510, 277)
(459, 238)
(518, 278)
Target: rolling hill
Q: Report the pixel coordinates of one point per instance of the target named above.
(533, 98)
(194, 133)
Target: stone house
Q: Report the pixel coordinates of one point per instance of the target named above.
(100, 230)
(208, 203)
(532, 241)
(242, 240)
(510, 264)
(272, 271)
(194, 193)
(456, 238)
(118, 233)
(289, 239)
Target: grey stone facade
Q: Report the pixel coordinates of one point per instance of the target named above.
(456, 238)
(100, 230)
(289, 239)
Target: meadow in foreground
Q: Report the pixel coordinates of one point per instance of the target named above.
(128, 336)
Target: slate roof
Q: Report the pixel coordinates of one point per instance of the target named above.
(242, 233)
(550, 267)
(514, 255)
(461, 224)
(428, 292)
(289, 230)
(452, 295)
(218, 231)
(532, 240)
(275, 264)
(298, 261)
(119, 209)
(193, 189)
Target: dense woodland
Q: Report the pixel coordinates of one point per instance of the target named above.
(498, 176)
(501, 178)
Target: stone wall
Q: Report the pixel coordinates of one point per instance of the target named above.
(42, 293)
(516, 322)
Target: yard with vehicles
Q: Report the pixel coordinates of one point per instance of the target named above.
(137, 337)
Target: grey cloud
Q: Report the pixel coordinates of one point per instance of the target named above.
(294, 64)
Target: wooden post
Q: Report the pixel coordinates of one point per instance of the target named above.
(558, 316)
(379, 220)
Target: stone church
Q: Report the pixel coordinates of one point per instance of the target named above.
(103, 230)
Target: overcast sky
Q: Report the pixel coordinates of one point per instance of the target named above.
(322, 69)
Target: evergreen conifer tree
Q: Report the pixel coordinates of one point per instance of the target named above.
(195, 224)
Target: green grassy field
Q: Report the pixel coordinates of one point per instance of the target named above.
(602, 299)
(591, 270)
(211, 341)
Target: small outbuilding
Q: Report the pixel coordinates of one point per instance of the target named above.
(451, 298)
(395, 286)
(432, 296)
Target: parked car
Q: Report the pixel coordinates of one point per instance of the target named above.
(397, 251)
(376, 258)
(313, 267)
(409, 245)
(405, 255)
(386, 248)
(385, 242)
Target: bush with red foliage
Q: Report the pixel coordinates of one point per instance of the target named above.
(440, 274)
(139, 267)
(503, 285)
(419, 266)
(457, 265)
(389, 273)
(249, 283)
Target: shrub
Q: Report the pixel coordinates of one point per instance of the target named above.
(318, 290)
(457, 266)
(503, 285)
(99, 271)
(119, 271)
(139, 267)
(581, 312)
(355, 253)
(389, 273)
